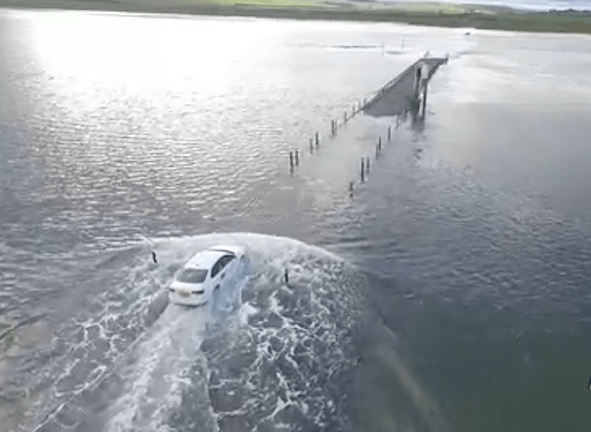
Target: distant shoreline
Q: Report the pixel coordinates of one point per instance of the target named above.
(546, 22)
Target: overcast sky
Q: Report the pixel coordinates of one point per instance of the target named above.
(525, 4)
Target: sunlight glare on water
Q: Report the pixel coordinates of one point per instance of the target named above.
(132, 50)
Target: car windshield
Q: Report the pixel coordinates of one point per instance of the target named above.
(192, 275)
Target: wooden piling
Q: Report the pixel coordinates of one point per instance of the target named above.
(389, 133)
(362, 171)
(297, 157)
(317, 139)
(424, 100)
(311, 146)
(291, 160)
(351, 189)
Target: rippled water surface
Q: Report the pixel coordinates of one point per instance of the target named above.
(450, 292)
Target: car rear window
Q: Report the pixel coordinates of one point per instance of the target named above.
(192, 276)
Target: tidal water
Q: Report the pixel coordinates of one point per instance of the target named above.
(450, 292)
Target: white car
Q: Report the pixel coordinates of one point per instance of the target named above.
(214, 271)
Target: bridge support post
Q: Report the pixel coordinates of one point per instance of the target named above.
(424, 107)
(418, 80)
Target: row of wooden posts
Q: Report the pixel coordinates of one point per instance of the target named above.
(314, 143)
(365, 165)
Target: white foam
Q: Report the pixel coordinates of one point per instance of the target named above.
(159, 366)
(155, 381)
(157, 370)
(247, 311)
(277, 250)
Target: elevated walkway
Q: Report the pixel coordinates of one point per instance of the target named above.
(406, 90)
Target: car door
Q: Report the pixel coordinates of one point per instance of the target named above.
(233, 277)
(222, 280)
(231, 272)
(227, 274)
(217, 273)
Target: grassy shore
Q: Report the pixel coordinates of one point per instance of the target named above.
(428, 14)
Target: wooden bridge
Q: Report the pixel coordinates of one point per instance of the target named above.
(408, 91)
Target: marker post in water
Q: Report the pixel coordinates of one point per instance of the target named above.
(362, 171)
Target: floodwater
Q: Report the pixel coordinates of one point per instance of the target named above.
(449, 293)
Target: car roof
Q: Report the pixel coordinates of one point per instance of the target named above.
(208, 257)
(205, 259)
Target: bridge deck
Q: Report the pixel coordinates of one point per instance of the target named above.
(394, 97)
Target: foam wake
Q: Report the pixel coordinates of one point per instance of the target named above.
(288, 358)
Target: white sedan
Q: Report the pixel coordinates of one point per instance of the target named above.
(214, 271)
